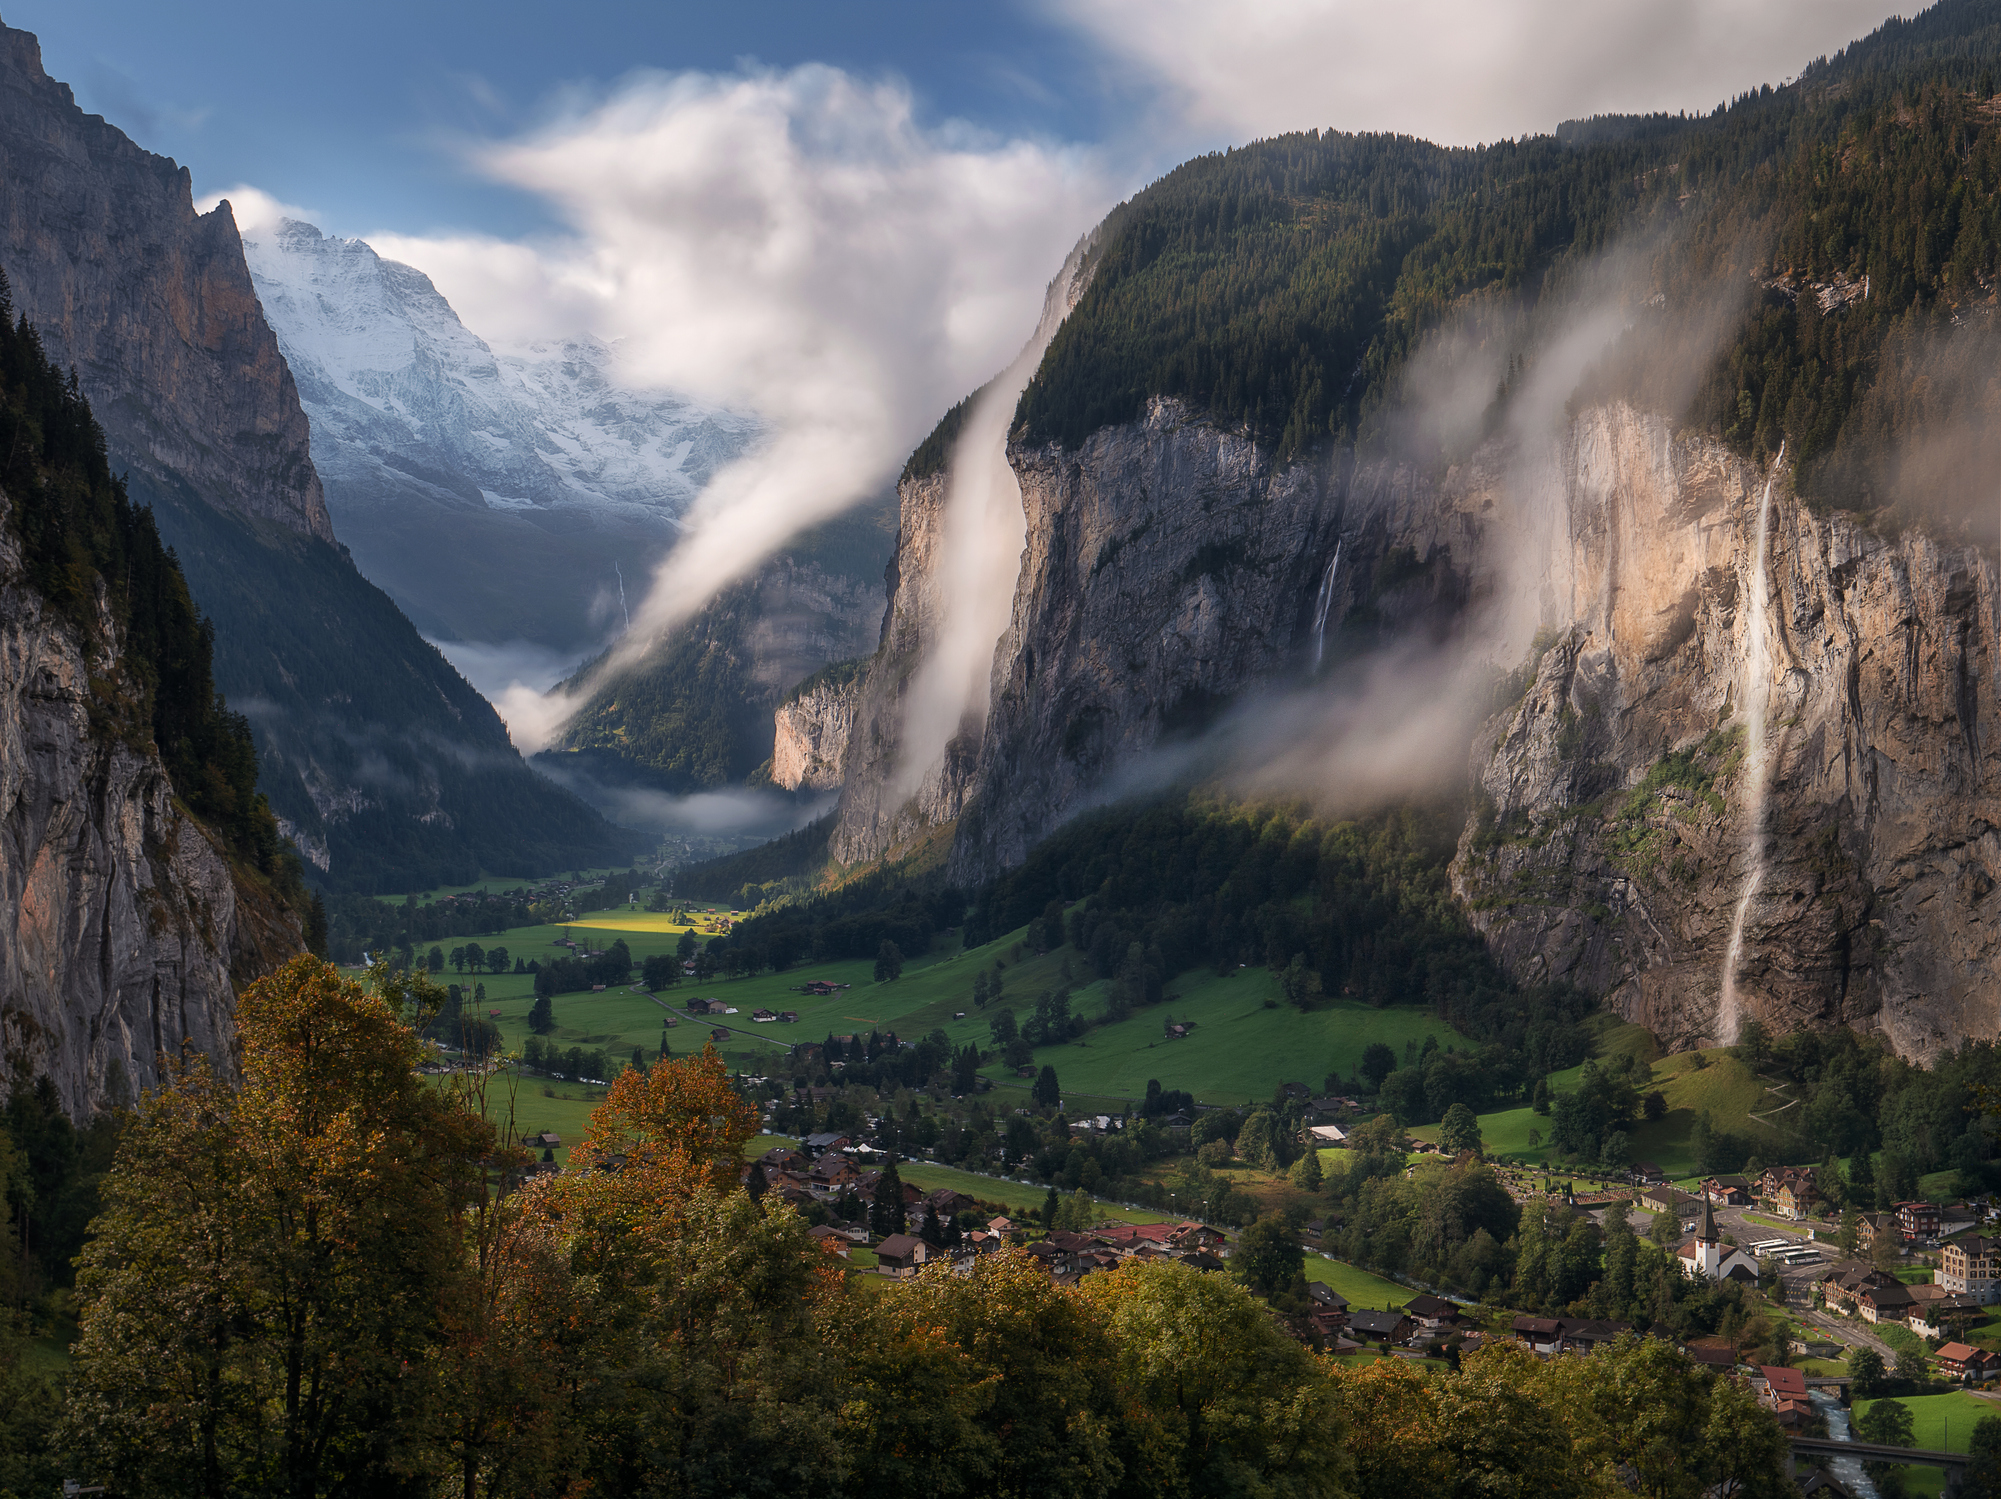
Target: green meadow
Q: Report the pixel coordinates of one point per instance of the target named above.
(1943, 1423)
(1365, 1292)
(1719, 1083)
(1240, 1049)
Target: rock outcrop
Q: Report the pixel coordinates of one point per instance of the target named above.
(810, 734)
(150, 301)
(696, 712)
(126, 933)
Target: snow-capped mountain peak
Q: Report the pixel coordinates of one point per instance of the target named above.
(419, 426)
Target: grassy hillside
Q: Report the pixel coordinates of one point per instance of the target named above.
(1719, 1083)
(1943, 1423)
(1363, 1290)
(1245, 1042)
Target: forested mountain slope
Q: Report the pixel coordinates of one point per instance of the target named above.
(388, 770)
(695, 712)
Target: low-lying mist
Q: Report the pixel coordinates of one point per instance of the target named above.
(743, 812)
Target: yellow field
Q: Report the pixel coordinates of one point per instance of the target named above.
(636, 921)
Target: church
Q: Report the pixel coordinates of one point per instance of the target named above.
(1706, 1256)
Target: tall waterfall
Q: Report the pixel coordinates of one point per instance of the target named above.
(1321, 606)
(979, 554)
(1757, 753)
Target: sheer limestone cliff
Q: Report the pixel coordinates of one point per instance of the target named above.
(811, 732)
(126, 932)
(1617, 831)
(1169, 570)
(879, 814)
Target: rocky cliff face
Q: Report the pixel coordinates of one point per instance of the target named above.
(880, 815)
(150, 301)
(697, 711)
(810, 736)
(1629, 822)
(1624, 809)
(125, 933)
(385, 766)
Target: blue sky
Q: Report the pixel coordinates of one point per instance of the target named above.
(358, 109)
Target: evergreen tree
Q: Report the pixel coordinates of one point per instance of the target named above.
(542, 1017)
(886, 1210)
(1046, 1091)
(1306, 1172)
(888, 962)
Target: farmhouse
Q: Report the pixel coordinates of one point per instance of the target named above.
(1842, 1284)
(1785, 1395)
(1729, 1191)
(1544, 1335)
(1891, 1303)
(1380, 1327)
(1667, 1199)
(1966, 1361)
(901, 1254)
(1432, 1312)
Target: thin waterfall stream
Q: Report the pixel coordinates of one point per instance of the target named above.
(1757, 774)
(1322, 605)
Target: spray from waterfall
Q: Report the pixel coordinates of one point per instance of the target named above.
(1322, 605)
(621, 596)
(979, 554)
(1757, 710)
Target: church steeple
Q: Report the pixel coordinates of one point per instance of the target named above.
(1708, 1251)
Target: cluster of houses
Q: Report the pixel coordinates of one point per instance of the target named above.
(1421, 1323)
(1930, 1311)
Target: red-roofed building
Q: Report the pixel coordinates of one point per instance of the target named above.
(1966, 1360)
(1783, 1384)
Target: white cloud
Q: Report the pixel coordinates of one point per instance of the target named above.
(255, 210)
(791, 242)
(1459, 71)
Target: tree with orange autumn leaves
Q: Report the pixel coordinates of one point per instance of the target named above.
(322, 1281)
